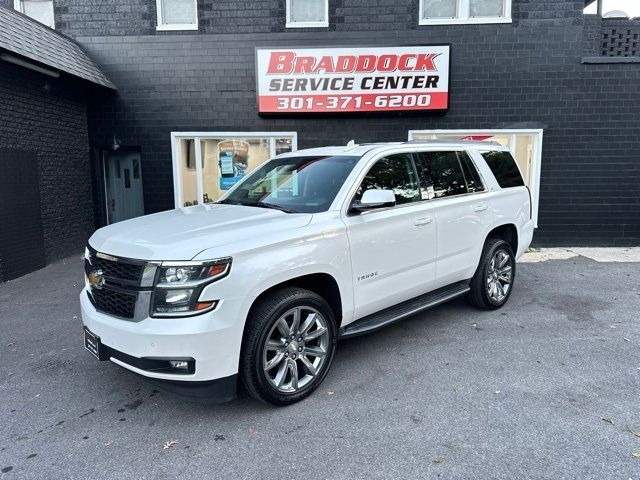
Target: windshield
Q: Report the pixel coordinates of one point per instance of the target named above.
(294, 184)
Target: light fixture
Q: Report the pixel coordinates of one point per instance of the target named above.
(116, 143)
(29, 65)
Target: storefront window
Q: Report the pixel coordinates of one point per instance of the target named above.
(224, 160)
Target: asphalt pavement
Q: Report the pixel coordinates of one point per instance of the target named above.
(547, 387)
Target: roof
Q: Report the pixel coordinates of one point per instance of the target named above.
(34, 41)
(360, 150)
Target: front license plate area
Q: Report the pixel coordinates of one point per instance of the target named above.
(92, 344)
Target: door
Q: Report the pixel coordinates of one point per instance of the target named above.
(461, 210)
(123, 185)
(393, 250)
(21, 234)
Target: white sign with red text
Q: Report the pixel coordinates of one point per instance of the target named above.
(359, 79)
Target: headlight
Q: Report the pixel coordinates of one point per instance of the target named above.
(179, 284)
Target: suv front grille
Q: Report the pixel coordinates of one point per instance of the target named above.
(131, 272)
(113, 302)
(119, 286)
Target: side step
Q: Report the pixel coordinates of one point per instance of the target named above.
(390, 315)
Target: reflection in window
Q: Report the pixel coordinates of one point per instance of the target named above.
(40, 10)
(465, 11)
(294, 184)
(392, 173)
(471, 175)
(445, 173)
(177, 13)
(440, 8)
(486, 8)
(307, 11)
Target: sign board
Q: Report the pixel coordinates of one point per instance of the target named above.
(352, 79)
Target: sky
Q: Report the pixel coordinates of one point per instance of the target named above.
(630, 7)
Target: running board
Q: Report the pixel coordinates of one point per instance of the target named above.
(390, 315)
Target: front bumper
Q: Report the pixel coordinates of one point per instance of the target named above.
(212, 339)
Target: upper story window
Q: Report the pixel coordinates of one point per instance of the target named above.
(307, 13)
(443, 12)
(177, 15)
(40, 10)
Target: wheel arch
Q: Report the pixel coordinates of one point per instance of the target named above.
(507, 232)
(321, 283)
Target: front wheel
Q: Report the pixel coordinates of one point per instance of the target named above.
(493, 281)
(288, 346)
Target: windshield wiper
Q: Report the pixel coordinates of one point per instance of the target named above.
(272, 205)
(257, 204)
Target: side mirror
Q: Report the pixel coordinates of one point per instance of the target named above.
(373, 199)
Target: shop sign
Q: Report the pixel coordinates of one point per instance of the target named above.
(353, 79)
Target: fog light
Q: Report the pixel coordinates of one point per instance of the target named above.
(182, 365)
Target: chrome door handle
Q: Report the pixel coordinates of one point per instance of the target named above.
(423, 221)
(480, 208)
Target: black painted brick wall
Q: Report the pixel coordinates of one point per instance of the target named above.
(524, 74)
(49, 116)
(138, 17)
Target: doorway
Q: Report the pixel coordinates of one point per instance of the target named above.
(123, 185)
(525, 146)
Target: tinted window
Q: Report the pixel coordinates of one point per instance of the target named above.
(444, 170)
(504, 168)
(294, 184)
(392, 173)
(474, 184)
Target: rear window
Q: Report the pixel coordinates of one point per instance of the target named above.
(504, 168)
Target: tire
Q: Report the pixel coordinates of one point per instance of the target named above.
(264, 345)
(488, 283)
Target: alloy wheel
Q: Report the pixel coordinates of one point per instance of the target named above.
(499, 276)
(295, 350)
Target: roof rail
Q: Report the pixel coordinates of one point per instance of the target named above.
(443, 142)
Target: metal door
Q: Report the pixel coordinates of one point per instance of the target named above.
(123, 185)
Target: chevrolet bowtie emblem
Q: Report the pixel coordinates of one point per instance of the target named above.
(96, 280)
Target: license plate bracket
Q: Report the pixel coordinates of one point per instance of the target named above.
(93, 345)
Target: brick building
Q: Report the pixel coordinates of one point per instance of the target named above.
(561, 88)
(45, 176)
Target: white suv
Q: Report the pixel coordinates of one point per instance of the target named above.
(312, 246)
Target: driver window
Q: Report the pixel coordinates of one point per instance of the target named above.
(396, 173)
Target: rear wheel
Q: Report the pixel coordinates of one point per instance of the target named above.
(288, 346)
(493, 281)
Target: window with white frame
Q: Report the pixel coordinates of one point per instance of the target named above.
(434, 12)
(177, 14)
(40, 10)
(307, 13)
(207, 164)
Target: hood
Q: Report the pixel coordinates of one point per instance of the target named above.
(183, 233)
